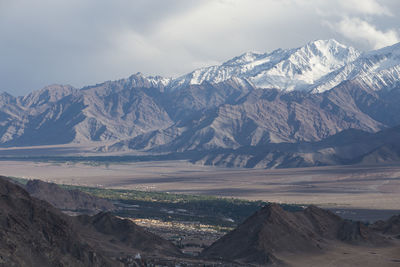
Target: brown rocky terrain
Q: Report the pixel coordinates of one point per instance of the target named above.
(344, 148)
(391, 226)
(129, 234)
(69, 200)
(34, 233)
(272, 231)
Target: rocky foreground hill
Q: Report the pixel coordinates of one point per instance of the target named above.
(34, 233)
(67, 200)
(272, 231)
(305, 94)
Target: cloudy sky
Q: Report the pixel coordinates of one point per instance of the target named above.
(83, 42)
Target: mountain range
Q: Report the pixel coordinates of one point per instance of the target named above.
(285, 98)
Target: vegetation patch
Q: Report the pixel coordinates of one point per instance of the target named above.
(202, 209)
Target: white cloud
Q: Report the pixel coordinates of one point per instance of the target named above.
(360, 31)
(368, 7)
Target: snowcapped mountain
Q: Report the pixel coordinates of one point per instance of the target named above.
(291, 69)
(296, 95)
(375, 70)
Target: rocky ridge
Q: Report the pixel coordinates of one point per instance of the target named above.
(67, 200)
(347, 147)
(34, 233)
(272, 231)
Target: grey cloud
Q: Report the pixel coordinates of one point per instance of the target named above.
(84, 42)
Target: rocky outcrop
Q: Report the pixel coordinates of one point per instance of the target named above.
(273, 230)
(389, 227)
(347, 147)
(33, 233)
(69, 200)
(128, 233)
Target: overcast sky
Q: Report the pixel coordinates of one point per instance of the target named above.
(83, 42)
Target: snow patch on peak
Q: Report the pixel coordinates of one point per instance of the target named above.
(284, 69)
(155, 81)
(137, 80)
(308, 65)
(376, 70)
(324, 44)
(393, 50)
(243, 59)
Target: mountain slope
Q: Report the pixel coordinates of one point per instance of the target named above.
(72, 200)
(33, 233)
(260, 118)
(61, 114)
(347, 147)
(272, 231)
(264, 116)
(129, 234)
(375, 70)
(120, 109)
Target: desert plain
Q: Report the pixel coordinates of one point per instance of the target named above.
(344, 188)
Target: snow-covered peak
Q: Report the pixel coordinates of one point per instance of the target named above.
(393, 50)
(153, 81)
(328, 46)
(375, 69)
(285, 69)
(245, 58)
(137, 80)
(140, 80)
(384, 58)
(330, 52)
(306, 66)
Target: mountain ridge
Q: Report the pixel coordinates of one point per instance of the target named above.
(272, 231)
(343, 89)
(289, 69)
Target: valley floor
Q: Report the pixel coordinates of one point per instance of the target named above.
(341, 188)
